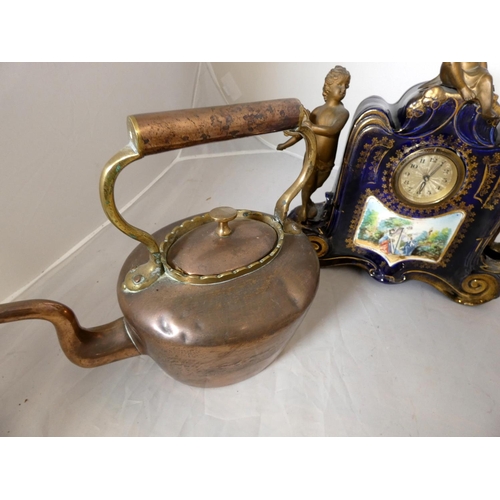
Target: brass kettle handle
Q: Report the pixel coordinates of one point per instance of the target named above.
(153, 133)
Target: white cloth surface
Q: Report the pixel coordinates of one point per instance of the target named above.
(368, 359)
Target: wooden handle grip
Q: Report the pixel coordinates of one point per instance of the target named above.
(157, 132)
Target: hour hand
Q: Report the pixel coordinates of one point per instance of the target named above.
(421, 187)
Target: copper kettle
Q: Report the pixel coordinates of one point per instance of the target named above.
(213, 299)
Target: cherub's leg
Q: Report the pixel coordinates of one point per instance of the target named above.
(308, 209)
(485, 97)
(317, 179)
(322, 176)
(320, 180)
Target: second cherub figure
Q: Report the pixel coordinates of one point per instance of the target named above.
(326, 122)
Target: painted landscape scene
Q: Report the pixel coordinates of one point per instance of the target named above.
(398, 238)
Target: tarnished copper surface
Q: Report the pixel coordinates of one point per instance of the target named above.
(203, 335)
(202, 251)
(218, 300)
(168, 130)
(215, 335)
(84, 347)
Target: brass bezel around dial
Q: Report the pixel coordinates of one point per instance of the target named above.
(414, 180)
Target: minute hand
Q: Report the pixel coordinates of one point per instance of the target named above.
(434, 170)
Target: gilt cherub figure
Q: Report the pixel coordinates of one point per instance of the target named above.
(473, 81)
(326, 122)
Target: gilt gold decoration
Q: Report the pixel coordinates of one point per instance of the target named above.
(399, 254)
(485, 186)
(491, 171)
(493, 198)
(319, 244)
(474, 290)
(418, 195)
(452, 151)
(373, 154)
(428, 176)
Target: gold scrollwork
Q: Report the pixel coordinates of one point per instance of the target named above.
(480, 288)
(378, 148)
(432, 98)
(319, 244)
(474, 290)
(493, 198)
(371, 118)
(486, 182)
(490, 172)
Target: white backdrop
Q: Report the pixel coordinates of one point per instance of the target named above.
(368, 359)
(60, 124)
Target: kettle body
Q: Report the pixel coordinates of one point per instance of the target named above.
(213, 299)
(212, 335)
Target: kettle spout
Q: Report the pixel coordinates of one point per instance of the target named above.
(84, 347)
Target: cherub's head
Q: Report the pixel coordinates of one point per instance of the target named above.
(336, 83)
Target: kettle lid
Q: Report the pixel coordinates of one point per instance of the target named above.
(221, 245)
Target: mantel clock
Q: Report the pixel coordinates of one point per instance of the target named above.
(418, 195)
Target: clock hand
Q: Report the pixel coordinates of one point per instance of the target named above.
(422, 185)
(434, 170)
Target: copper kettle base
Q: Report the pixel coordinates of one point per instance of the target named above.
(200, 338)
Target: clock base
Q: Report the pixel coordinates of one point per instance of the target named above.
(481, 285)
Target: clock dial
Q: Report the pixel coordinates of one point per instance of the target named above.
(428, 176)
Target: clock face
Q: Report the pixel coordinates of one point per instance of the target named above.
(428, 176)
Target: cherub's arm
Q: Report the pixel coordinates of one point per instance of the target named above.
(296, 137)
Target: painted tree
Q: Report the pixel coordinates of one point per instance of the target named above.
(368, 228)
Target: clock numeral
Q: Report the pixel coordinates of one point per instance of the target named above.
(422, 160)
(406, 183)
(413, 165)
(433, 159)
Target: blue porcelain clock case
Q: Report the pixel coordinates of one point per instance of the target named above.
(418, 195)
